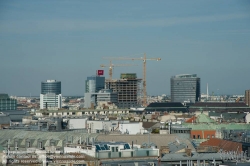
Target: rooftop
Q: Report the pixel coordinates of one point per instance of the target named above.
(218, 104)
(185, 76)
(4, 96)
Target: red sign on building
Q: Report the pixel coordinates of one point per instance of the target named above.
(100, 72)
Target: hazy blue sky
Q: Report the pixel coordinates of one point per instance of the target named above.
(66, 40)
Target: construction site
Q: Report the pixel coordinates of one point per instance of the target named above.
(127, 88)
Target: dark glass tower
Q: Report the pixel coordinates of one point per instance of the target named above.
(94, 83)
(51, 86)
(185, 88)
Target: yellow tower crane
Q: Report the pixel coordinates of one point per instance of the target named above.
(144, 59)
(111, 66)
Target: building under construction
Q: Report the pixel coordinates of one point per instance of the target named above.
(127, 88)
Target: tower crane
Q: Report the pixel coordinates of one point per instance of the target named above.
(111, 66)
(144, 59)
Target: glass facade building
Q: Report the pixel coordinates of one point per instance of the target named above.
(94, 83)
(51, 86)
(50, 96)
(7, 103)
(185, 88)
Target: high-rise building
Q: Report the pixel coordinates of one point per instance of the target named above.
(7, 103)
(127, 88)
(50, 96)
(247, 97)
(185, 88)
(94, 83)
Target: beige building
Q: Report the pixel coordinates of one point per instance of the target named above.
(247, 97)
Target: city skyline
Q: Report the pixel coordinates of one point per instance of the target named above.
(67, 40)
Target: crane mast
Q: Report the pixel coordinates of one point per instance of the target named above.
(144, 59)
(111, 66)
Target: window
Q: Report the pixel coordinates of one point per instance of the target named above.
(212, 136)
(199, 137)
(28, 145)
(208, 136)
(16, 145)
(193, 136)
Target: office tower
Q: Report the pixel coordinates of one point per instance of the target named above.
(247, 97)
(127, 88)
(7, 103)
(185, 88)
(50, 96)
(94, 83)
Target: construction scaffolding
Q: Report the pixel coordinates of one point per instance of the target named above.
(127, 88)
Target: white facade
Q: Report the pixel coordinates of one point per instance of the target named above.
(247, 118)
(78, 123)
(51, 99)
(94, 126)
(131, 128)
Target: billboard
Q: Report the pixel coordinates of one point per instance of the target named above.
(100, 72)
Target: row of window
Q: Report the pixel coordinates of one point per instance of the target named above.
(199, 137)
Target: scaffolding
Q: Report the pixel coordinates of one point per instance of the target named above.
(127, 88)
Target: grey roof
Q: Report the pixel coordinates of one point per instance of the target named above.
(194, 156)
(158, 139)
(16, 115)
(1, 148)
(4, 96)
(175, 147)
(4, 119)
(45, 136)
(228, 116)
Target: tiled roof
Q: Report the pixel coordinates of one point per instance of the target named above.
(191, 120)
(223, 144)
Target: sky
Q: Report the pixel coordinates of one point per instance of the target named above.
(68, 40)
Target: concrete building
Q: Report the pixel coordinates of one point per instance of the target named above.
(50, 96)
(7, 103)
(185, 88)
(127, 88)
(103, 96)
(247, 97)
(77, 123)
